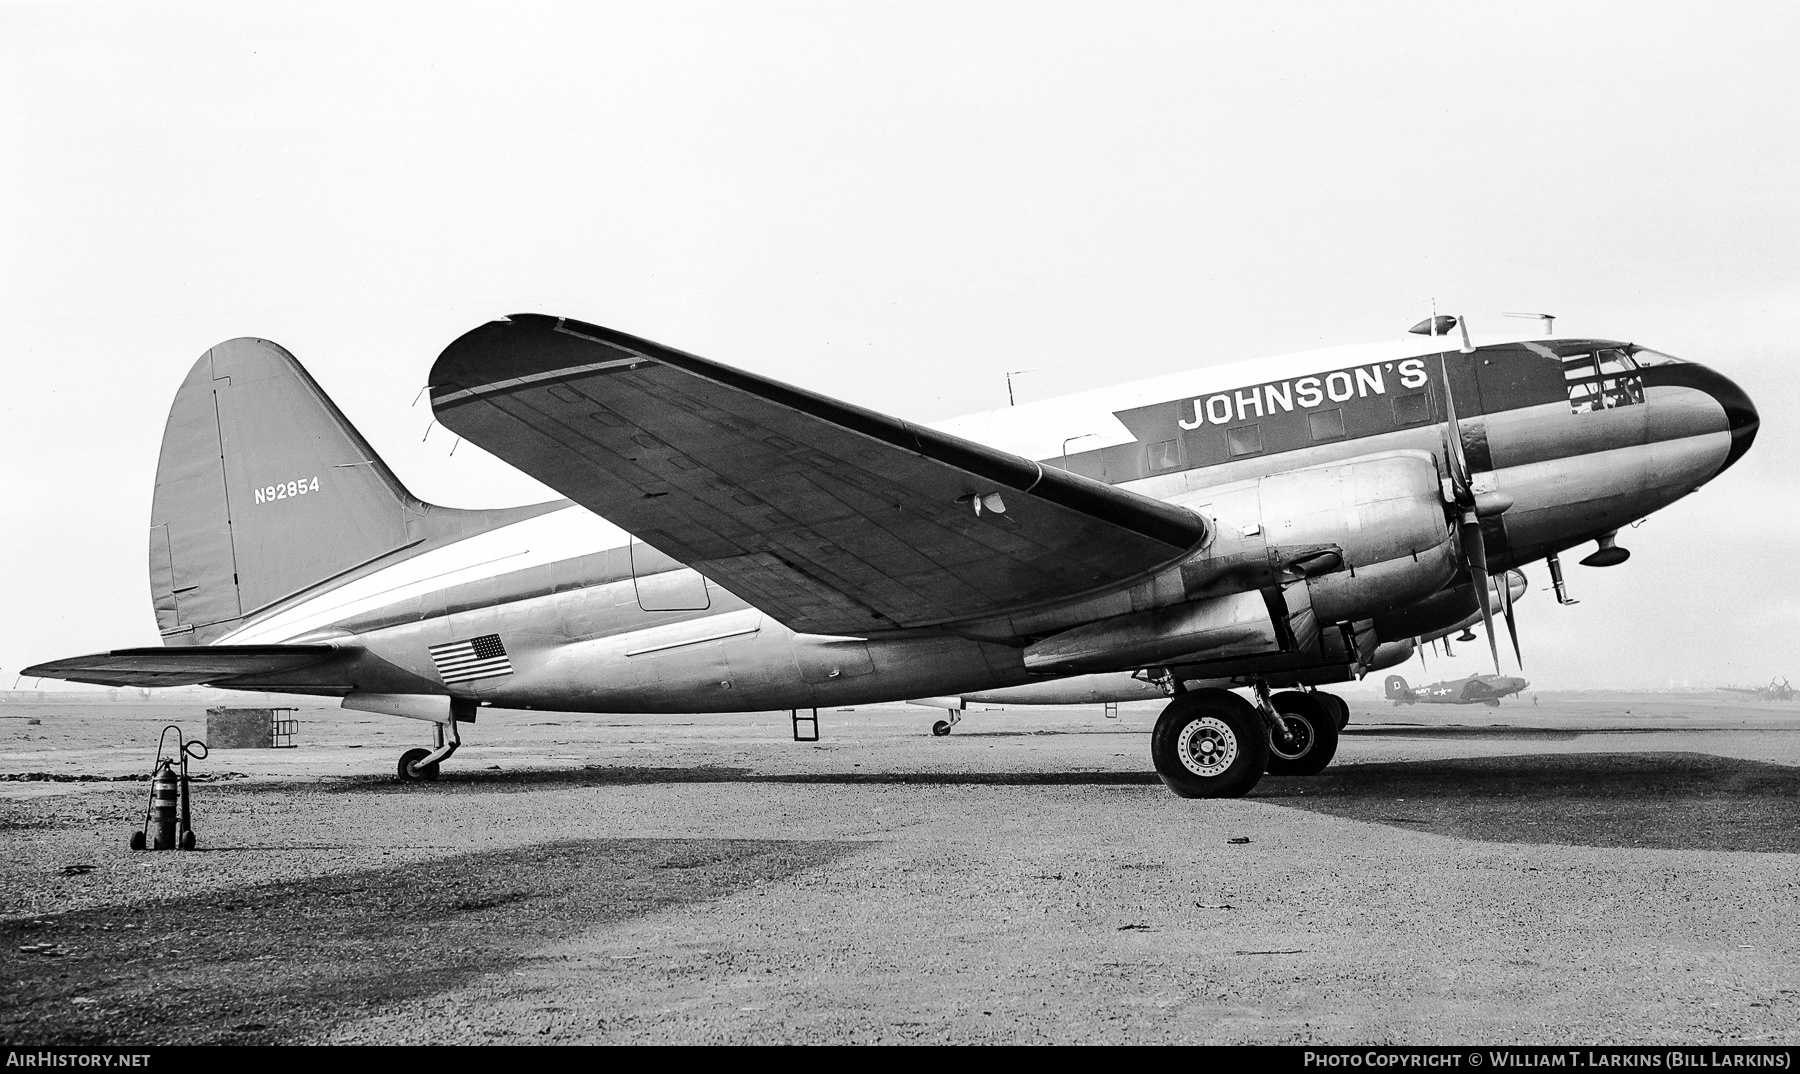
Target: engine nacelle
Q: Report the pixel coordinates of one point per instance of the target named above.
(1447, 611)
(1365, 536)
(1290, 555)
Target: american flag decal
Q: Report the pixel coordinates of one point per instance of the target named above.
(476, 658)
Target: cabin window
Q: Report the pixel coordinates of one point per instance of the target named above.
(1165, 455)
(1602, 380)
(1244, 440)
(1326, 424)
(1412, 409)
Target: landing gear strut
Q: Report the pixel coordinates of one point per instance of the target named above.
(942, 727)
(417, 765)
(1209, 744)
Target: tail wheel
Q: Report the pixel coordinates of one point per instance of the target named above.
(1209, 744)
(410, 771)
(1313, 729)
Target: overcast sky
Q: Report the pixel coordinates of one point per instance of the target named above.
(894, 204)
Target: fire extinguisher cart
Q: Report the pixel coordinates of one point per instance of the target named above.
(168, 817)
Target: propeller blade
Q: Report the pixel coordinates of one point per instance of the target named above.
(1423, 663)
(1506, 609)
(1453, 445)
(1475, 553)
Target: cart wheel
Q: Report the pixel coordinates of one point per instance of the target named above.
(137, 840)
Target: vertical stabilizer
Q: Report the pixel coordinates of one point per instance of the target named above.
(265, 490)
(1396, 688)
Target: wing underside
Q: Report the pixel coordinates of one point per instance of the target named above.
(829, 517)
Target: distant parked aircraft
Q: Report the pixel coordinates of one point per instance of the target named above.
(1775, 691)
(1476, 689)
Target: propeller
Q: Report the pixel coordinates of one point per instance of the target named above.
(1462, 486)
(1506, 610)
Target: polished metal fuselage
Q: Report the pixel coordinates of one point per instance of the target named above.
(626, 630)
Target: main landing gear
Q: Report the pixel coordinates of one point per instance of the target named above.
(1209, 744)
(1312, 734)
(1215, 744)
(1339, 707)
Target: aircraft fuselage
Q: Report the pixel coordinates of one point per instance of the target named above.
(1578, 437)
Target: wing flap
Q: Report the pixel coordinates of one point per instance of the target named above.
(182, 665)
(827, 516)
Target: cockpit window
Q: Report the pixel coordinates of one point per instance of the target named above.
(1644, 356)
(1603, 379)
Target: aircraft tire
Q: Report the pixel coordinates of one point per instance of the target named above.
(1339, 707)
(1314, 721)
(1209, 744)
(941, 728)
(409, 774)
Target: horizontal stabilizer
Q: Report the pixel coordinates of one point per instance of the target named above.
(182, 666)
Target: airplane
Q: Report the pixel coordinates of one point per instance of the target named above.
(1775, 691)
(1474, 690)
(731, 543)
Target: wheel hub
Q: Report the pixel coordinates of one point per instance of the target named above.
(1300, 739)
(1207, 746)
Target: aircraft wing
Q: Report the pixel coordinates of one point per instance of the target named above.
(829, 517)
(185, 665)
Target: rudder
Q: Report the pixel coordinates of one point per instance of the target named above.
(1396, 688)
(264, 489)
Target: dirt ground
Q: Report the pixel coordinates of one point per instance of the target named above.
(1600, 868)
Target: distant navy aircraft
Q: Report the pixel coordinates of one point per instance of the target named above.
(1775, 691)
(1474, 690)
(730, 543)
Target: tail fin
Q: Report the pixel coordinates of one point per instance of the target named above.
(264, 490)
(1396, 688)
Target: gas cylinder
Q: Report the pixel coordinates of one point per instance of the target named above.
(165, 793)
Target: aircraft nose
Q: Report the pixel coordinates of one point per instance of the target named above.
(1741, 418)
(1740, 412)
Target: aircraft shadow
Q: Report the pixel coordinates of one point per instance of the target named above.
(525, 779)
(1670, 801)
(1535, 733)
(281, 962)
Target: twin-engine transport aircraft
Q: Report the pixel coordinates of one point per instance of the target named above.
(1474, 690)
(730, 543)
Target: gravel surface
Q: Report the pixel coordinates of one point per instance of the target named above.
(1598, 869)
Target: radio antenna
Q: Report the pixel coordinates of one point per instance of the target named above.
(1549, 320)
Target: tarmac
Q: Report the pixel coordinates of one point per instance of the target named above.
(1600, 868)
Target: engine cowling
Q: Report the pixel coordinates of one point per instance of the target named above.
(1289, 555)
(1448, 610)
(1365, 535)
